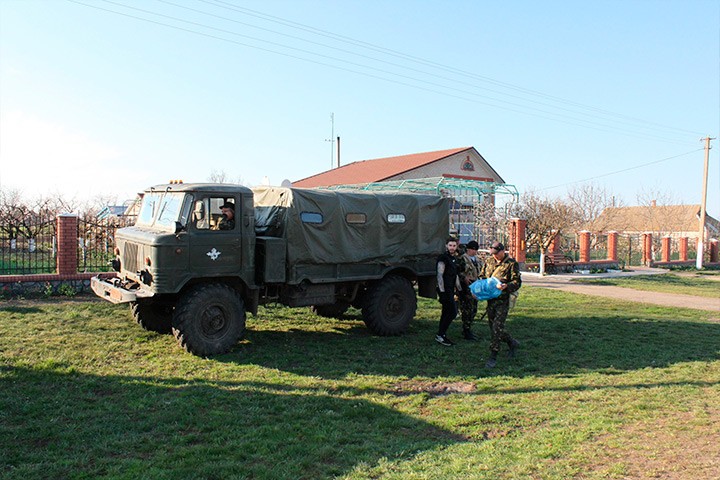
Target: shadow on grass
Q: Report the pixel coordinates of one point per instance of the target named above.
(61, 424)
(549, 346)
(20, 309)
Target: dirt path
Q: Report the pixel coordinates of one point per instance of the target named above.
(564, 283)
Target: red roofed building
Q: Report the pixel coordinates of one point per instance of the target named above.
(460, 163)
(458, 173)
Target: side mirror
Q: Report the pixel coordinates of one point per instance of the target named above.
(179, 227)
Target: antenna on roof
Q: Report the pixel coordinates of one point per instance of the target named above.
(332, 140)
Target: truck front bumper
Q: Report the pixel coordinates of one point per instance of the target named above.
(113, 290)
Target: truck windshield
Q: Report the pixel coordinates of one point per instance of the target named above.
(162, 210)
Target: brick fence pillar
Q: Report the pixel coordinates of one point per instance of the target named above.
(584, 246)
(647, 249)
(67, 226)
(714, 250)
(612, 241)
(553, 247)
(666, 241)
(516, 234)
(683, 249)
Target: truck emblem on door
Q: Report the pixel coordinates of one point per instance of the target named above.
(213, 254)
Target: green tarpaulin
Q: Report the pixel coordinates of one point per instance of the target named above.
(331, 227)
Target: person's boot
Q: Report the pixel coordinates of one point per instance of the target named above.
(492, 361)
(514, 345)
(469, 335)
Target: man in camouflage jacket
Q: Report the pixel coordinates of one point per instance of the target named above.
(468, 271)
(501, 266)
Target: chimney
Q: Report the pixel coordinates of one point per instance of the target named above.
(653, 203)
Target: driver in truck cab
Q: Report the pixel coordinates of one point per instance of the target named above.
(227, 221)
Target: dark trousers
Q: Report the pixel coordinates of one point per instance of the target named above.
(497, 312)
(447, 315)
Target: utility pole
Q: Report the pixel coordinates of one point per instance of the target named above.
(703, 208)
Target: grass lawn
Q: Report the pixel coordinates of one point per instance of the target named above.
(667, 283)
(600, 389)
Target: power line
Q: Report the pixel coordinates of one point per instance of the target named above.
(621, 171)
(558, 117)
(397, 54)
(628, 120)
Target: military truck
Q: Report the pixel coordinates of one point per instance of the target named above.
(327, 250)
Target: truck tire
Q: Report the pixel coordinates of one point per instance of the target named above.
(209, 319)
(152, 317)
(334, 310)
(389, 306)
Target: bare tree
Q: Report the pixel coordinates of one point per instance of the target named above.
(220, 176)
(655, 196)
(38, 216)
(30, 219)
(546, 219)
(11, 213)
(659, 214)
(58, 204)
(659, 210)
(92, 207)
(587, 202)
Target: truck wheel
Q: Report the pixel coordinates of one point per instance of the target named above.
(152, 317)
(334, 310)
(389, 306)
(209, 320)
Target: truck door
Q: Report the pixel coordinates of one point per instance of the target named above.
(216, 240)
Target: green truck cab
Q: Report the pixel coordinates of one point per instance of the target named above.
(187, 268)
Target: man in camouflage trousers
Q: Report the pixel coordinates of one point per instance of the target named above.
(468, 271)
(501, 266)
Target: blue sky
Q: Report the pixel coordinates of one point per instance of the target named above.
(550, 93)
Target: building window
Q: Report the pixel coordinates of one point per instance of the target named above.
(468, 165)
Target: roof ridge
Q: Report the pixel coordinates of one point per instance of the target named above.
(435, 155)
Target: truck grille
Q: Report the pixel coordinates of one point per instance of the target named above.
(131, 257)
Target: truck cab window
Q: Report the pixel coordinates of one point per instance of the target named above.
(215, 213)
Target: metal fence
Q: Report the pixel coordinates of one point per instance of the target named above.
(96, 241)
(566, 244)
(28, 246)
(598, 247)
(629, 249)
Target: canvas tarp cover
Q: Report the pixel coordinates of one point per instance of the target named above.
(279, 212)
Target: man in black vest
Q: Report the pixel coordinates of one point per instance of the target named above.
(448, 282)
